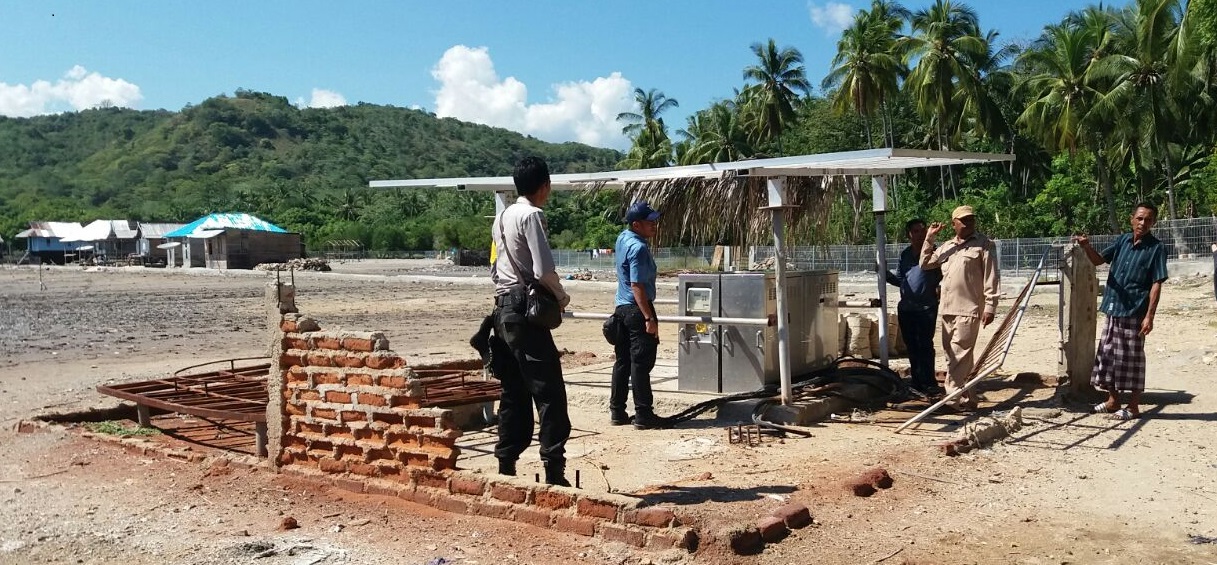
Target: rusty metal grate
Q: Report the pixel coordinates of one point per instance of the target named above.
(235, 392)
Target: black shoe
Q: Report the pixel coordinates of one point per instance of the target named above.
(651, 423)
(556, 475)
(620, 419)
(507, 467)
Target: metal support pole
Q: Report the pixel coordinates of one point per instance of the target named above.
(879, 199)
(777, 194)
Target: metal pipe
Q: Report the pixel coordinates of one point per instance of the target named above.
(682, 319)
(879, 199)
(777, 195)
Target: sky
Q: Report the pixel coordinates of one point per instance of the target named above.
(556, 70)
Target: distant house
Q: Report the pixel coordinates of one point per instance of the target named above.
(110, 239)
(236, 241)
(46, 241)
(154, 247)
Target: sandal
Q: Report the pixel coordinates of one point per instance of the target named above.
(1123, 414)
(1101, 408)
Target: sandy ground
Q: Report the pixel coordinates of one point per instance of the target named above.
(1069, 487)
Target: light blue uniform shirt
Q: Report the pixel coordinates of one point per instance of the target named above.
(634, 265)
(1134, 270)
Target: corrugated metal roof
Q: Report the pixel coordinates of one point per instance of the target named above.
(100, 230)
(57, 230)
(867, 162)
(156, 231)
(236, 221)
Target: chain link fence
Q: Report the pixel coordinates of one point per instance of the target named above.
(1184, 239)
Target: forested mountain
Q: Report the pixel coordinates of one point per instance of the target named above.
(305, 169)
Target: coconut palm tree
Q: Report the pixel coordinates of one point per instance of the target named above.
(945, 40)
(718, 137)
(647, 130)
(1144, 87)
(867, 69)
(779, 77)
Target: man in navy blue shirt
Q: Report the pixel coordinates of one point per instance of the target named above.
(637, 346)
(918, 308)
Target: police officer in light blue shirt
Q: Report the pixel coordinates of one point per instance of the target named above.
(638, 343)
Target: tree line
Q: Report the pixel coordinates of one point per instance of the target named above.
(1107, 107)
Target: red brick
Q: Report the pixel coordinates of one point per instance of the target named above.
(318, 359)
(403, 401)
(326, 342)
(431, 480)
(338, 397)
(359, 379)
(451, 504)
(331, 466)
(307, 428)
(349, 452)
(354, 416)
(295, 409)
(294, 342)
(379, 360)
(369, 399)
(291, 359)
(325, 414)
(467, 486)
(878, 477)
(287, 326)
(794, 515)
(388, 418)
(383, 454)
(683, 538)
(491, 509)
(365, 469)
(623, 534)
(745, 540)
(296, 375)
(393, 382)
(509, 493)
(286, 458)
(443, 463)
(420, 460)
(553, 500)
(384, 488)
(327, 379)
(581, 526)
(534, 517)
(349, 360)
(597, 509)
(436, 444)
(309, 396)
(351, 485)
(358, 344)
(390, 469)
(772, 529)
(651, 517)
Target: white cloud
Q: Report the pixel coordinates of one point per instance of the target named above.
(323, 98)
(833, 17)
(583, 111)
(77, 90)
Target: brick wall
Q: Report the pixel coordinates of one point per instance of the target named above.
(351, 406)
(350, 417)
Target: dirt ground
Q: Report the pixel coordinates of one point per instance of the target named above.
(1069, 487)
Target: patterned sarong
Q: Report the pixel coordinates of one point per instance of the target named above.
(1120, 361)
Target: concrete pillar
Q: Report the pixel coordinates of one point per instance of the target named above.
(280, 299)
(1078, 320)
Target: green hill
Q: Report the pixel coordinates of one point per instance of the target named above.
(305, 169)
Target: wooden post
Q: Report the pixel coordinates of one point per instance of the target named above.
(1078, 319)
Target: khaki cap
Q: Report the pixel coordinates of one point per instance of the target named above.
(962, 212)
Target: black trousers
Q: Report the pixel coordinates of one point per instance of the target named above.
(918, 328)
(526, 362)
(635, 359)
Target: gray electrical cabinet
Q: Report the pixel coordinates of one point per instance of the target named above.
(737, 358)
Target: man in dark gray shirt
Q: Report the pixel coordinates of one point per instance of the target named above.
(532, 373)
(918, 308)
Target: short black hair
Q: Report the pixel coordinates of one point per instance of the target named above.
(908, 226)
(530, 175)
(1147, 206)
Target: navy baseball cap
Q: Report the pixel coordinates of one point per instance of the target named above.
(641, 211)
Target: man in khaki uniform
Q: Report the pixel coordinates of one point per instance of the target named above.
(971, 285)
